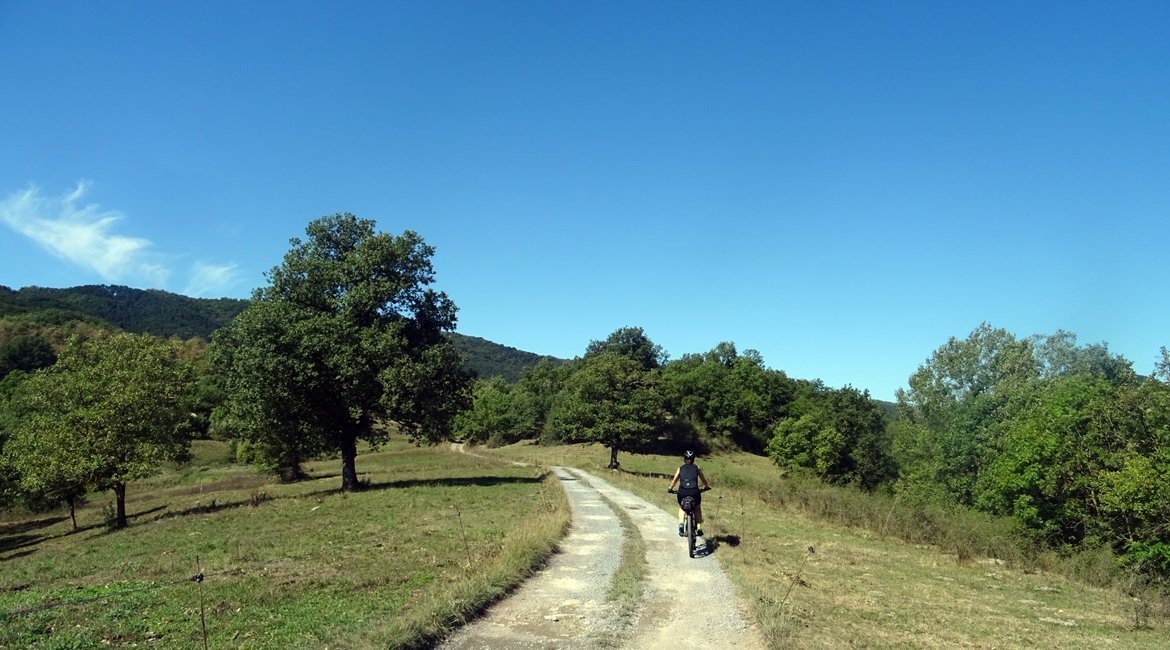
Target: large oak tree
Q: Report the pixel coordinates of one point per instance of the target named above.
(347, 334)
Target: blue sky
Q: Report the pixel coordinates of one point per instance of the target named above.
(840, 185)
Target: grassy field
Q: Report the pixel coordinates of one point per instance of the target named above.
(284, 566)
(860, 588)
(398, 565)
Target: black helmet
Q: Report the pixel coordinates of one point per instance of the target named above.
(688, 455)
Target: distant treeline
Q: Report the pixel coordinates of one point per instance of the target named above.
(1064, 439)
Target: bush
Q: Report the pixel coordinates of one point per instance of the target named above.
(1148, 559)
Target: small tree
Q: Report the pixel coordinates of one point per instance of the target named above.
(108, 412)
(960, 397)
(537, 392)
(612, 400)
(490, 413)
(725, 394)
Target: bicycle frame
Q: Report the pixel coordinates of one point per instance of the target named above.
(689, 524)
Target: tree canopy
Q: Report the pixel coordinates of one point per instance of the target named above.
(610, 399)
(632, 343)
(111, 410)
(840, 435)
(1066, 439)
(347, 334)
(142, 311)
(723, 395)
(27, 353)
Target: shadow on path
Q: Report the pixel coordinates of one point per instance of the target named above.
(712, 543)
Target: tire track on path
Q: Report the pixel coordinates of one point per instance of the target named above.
(685, 601)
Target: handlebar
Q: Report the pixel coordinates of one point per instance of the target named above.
(702, 489)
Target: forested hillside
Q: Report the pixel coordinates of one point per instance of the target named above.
(487, 359)
(34, 310)
(140, 311)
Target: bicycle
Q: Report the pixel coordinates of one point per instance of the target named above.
(687, 504)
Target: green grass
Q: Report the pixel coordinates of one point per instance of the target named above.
(875, 580)
(289, 566)
(305, 566)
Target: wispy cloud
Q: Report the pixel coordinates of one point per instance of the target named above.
(85, 235)
(82, 234)
(211, 280)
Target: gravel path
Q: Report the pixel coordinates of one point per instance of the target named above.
(562, 606)
(685, 601)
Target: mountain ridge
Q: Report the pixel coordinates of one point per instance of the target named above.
(162, 313)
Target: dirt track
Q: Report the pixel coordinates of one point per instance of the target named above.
(685, 601)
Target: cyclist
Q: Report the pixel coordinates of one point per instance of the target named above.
(687, 478)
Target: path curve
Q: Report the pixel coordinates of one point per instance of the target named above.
(564, 606)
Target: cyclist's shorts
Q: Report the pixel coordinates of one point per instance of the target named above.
(695, 493)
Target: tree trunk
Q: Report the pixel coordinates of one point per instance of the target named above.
(72, 510)
(120, 494)
(613, 464)
(349, 478)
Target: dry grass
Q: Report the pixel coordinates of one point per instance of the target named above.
(862, 588)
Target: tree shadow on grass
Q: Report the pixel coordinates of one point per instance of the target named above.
(143, 513)
(16, 535)
(32, 524)
(647, 474)
(202, 509)
(482, 481)
(107, 530)
(460, 481)
(18, 554)
(14, 542)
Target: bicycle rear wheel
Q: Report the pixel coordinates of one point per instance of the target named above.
(691, 534)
